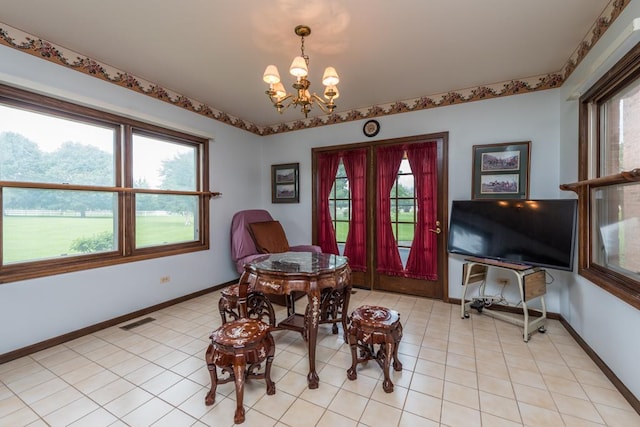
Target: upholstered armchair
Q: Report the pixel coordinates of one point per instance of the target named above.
(253, 234)
(257, 225)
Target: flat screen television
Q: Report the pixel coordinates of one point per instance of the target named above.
(531, 232)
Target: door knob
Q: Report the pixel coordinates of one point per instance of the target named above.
(436, 230)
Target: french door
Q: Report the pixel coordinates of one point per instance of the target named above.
(384, 206)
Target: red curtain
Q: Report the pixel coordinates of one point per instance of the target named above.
(388, 258)
(355, 165)
(327, 168)
(422, 262)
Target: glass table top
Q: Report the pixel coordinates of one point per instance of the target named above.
(298, 262)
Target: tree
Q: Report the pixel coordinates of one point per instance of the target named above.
(179, 173)
(341, 185)
(20, 158)
(76, 163)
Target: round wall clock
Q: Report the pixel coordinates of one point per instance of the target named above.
(371, 128)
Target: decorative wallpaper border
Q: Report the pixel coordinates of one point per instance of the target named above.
(9, 36)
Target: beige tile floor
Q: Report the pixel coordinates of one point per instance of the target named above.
(473, 372)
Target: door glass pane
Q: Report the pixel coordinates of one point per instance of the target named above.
(35, 147)
(332, 209)
(43, 224)
(403, 209)
(340, 205)
(161, 164)
(617, 229)
(394, 211)
(164, 219)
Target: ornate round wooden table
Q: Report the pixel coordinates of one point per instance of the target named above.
(307, 272)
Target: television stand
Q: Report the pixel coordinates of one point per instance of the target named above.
(531, 283)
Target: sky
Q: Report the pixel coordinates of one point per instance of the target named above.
(50, 132)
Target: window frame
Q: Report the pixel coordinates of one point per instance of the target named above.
(124, 128)
(621, 75)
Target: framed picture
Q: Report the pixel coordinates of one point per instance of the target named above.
(284, 183)
(501, 171)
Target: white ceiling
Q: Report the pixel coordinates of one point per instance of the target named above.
(215, 51)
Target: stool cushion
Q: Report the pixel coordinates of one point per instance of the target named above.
(375, 315)
(269, 237)
(233, 291)
(240, 333)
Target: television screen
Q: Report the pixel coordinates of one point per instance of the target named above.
(530, 232)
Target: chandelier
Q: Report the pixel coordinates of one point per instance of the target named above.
(300, 69)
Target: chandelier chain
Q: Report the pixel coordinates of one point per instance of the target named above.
(306, 57)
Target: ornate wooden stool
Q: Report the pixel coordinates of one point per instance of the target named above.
(238, 348)
(258, 305)
(371, 325)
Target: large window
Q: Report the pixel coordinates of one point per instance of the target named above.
(609, 189)
(81, 188)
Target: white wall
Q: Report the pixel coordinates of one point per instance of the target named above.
(35, 310)
(608, 325)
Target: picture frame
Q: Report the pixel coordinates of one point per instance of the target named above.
(501, 171)
(285, 183)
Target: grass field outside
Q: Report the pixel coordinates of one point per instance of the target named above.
(28, 238)
(404, 232)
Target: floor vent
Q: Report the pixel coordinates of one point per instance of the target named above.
(137, 323)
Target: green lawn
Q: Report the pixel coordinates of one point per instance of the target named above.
(405, 230)
(31, 238)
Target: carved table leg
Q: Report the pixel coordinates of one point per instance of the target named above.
(345, 311)
(387, 385)
(397, 336)
(222, 307)
(397, 365)
(312, 320)
(352, 373)
(210, 398)
(239, 368)
(271, 386)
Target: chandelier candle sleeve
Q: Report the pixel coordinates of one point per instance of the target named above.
(302, 97)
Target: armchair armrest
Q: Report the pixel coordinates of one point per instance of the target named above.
(305, 248)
